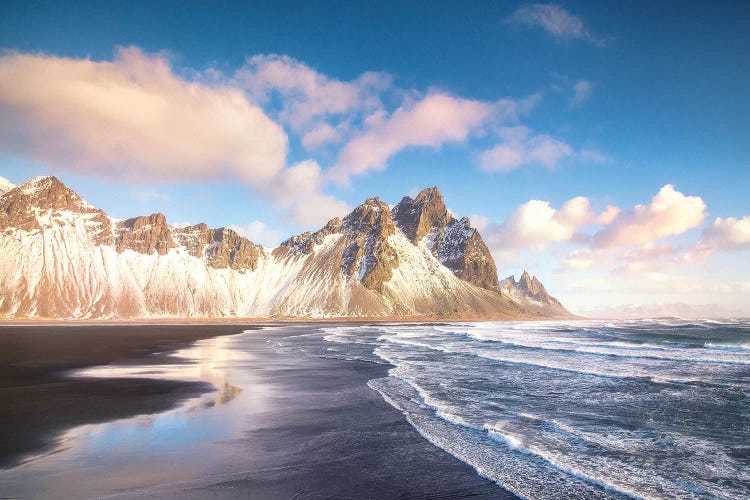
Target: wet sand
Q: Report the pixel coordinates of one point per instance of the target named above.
(321, 432)
(39, 401)
(309, 427)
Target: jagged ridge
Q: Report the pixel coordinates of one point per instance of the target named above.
(63, 257)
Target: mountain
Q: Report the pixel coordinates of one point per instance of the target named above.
(64, 258)
(531, 295)
(674, 310)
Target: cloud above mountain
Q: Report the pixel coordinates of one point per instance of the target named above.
(669, 213)
(133, 119)
(140, 119)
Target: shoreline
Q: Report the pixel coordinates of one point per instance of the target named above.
(313, 425)
(272, 321)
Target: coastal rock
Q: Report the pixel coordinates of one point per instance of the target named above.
(221, 248)
(419, 216)
(193, 238)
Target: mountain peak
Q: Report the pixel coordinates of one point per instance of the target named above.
(428, 194)
(417, 217)
(19, 205)
(48, 192)
(370, 215)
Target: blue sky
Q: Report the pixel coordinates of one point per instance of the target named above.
(611, 101)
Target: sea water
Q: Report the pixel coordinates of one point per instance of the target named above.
(652, 408)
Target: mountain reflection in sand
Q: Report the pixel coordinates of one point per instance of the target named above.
(206, 361)
(147, 449)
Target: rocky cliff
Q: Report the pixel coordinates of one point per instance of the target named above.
(64, 258)
(455, 243)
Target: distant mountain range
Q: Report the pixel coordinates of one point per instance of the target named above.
(675, 310)
(61, 257)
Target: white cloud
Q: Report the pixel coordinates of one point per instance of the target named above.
(578, 260)
(581, 92)
(479, 222)
(521, 146)
(434, 120)
(308, 95)
(321, 135)
(608, 215)
(593, 156)
(258, 232)
(536, 223)
(669, 213)
(556, 21)
(728, 233)
(133, 119)
(298, 191)
(146, 194)
(723, 235)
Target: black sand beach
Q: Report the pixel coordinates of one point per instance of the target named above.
(320, 431)
(39, 401)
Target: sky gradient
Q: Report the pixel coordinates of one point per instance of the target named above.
(604, 146)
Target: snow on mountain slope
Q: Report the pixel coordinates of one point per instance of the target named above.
(63, 258)
(5, 185)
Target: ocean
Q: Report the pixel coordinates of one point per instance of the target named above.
(652, 408)
(540, 410)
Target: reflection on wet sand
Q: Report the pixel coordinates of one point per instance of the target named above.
(148, 449)
(206, 361)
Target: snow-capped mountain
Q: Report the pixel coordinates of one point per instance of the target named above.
(61, 257)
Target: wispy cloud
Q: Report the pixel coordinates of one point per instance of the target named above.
(556, 21)
(434, 120)
(307, 96)
(581, 92)
(521, 146)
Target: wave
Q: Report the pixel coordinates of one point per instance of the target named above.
(672, 352)
(727, 347)
(566, 365)
(525, 476)
(545, 434)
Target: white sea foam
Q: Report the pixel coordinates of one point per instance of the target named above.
(602, 425)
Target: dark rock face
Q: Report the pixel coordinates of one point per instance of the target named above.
(145, 234)
(367, 230)
(229, 249)
(221, 247)
(455, 243)
(533, 287)
(48, 194)
(417, 217)
(460, 248)
(305, 242)
(193, 238)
